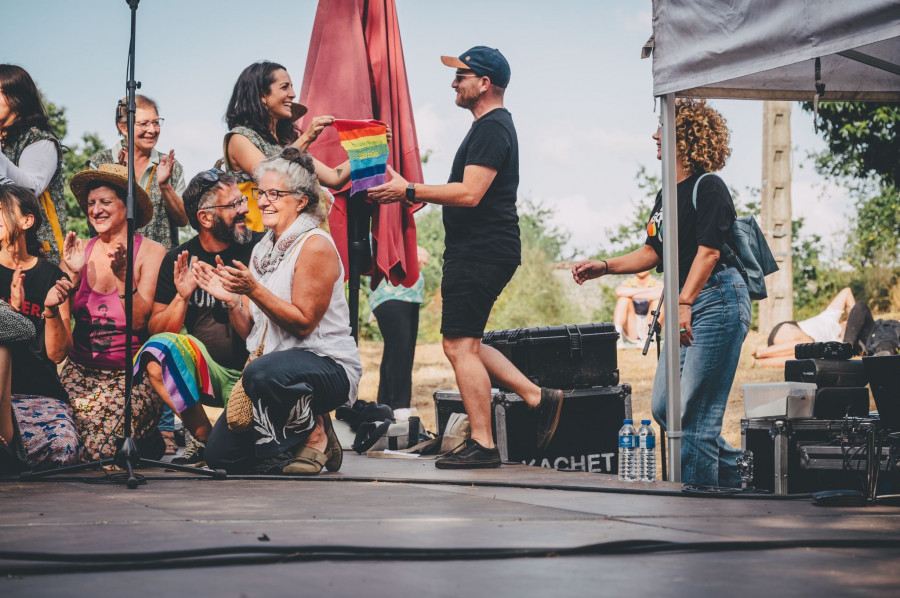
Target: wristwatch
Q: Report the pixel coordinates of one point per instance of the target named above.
(411, 192)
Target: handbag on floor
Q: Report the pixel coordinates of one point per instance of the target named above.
(386, 435)
(239, 410)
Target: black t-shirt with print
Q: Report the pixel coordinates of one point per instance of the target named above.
(489, 232)
(33, 373)
(709, 225)
(207, 317)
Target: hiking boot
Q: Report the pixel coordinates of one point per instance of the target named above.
(548, 415)
(470, 455)
(193, 456)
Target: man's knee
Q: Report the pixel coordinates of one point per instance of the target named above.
(456, 348)
(153, 369)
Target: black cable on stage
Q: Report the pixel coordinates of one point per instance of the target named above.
(56, 563)
(686, 491)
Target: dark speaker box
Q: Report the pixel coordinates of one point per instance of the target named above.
(586, 438)
(826, 372)
(575, 356)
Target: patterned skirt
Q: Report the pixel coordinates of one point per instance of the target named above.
(47, 430)
(98, 402)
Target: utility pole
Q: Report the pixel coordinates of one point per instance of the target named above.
(775, 212)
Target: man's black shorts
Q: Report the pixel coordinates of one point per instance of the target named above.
(469, 290)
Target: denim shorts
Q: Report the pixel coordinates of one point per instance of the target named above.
(469, 290)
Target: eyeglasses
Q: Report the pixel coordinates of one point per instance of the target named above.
(233, 205)
(148, 124)
(461, 76)
(271, 194)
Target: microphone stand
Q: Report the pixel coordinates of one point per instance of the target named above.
(654, 330)
(127, 455)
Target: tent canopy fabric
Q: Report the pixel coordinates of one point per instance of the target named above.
(766, 49)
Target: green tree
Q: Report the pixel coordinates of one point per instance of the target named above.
(863, 140)
(534, 297)
(863, 147)
(74, 157)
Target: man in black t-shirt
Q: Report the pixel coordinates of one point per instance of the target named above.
(482, 251)
(216, 210)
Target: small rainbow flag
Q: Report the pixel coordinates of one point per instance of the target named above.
(366, 144)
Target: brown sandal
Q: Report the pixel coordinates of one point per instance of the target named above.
(334, 452)
(307, 461)
(169, 438)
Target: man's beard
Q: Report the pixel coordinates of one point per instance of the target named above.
(466, 100)
(230, 234)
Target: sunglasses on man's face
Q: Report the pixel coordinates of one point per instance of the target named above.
(461, 76)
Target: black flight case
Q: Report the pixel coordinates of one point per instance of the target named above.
(586, 438)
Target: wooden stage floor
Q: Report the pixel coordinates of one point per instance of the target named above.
(503, 532)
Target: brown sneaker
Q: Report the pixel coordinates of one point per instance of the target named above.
(548, 415)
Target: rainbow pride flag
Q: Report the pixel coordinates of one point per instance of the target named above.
(366, 144)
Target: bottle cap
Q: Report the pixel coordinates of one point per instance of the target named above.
(627, 421)
(645, 421)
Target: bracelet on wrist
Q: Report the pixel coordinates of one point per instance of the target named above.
(53, 313)
(133, 292)
(606, 267)
(684, 303)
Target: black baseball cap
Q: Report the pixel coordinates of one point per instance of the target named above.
(484, 62)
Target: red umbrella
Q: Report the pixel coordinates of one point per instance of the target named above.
(355, 70)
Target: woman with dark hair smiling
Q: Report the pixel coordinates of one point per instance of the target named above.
(32, 155)
(260, 118)
(38, 291)
(713, 301)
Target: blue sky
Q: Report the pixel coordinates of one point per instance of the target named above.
(580, 95)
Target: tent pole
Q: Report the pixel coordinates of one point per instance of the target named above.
(670, 281)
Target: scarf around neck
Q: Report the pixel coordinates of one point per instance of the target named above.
(269, 253)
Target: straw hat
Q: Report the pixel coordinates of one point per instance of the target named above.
(115, 175)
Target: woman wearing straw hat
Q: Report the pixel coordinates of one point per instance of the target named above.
(260, 117)
(31, 154)
(160, 175)
(95, 374)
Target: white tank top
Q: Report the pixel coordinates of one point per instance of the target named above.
(331, 338)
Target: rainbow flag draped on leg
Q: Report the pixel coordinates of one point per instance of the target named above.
(367, 147)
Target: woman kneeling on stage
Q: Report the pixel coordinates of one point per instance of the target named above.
(294, 311)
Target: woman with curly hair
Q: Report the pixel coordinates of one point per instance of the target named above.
(713, 301)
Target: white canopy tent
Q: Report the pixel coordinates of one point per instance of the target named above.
(760, 50)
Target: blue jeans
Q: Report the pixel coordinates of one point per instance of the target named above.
(720, 320)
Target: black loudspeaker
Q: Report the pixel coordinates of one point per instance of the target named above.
(826, 372)
(573, 356)
(839, 402)
(586, 438)
(884, 379)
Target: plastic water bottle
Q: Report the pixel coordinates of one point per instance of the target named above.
(646, 452)
(627, 452)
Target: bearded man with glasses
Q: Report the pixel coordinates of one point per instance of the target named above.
(201, 367)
